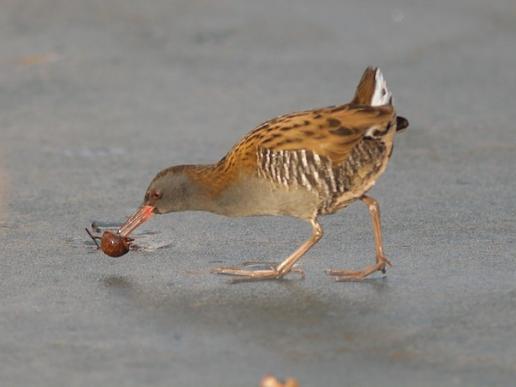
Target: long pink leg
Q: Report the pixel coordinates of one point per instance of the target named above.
(381, 261)
(284, 267)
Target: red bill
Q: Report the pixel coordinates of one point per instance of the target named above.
(143, 214)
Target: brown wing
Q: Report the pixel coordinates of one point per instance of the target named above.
(328, 132)
(325, 135)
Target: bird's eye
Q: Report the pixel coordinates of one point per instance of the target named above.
(156, 194)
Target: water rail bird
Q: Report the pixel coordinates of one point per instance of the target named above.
(305, 165)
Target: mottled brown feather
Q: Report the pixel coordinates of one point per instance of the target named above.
(330, 132)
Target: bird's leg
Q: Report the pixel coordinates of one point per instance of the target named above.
(381, 261)
(281, 269)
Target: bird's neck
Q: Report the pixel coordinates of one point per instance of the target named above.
(206, 184)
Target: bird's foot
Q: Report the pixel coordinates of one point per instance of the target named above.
(256, 263)
(271, 271)
(349, 275)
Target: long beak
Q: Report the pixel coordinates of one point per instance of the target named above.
(143, 214)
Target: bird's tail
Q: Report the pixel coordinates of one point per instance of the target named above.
(372, 89)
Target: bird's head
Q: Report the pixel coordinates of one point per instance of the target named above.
(171, 190)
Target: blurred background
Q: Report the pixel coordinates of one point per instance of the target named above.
(97, 96)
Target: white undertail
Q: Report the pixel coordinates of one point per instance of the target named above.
(381, 95)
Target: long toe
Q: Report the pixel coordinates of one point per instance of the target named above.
(271, 265)
(255, 275)
(249, 274)
(359, 275)
(257, 264)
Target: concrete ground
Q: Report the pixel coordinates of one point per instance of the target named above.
(97, 96)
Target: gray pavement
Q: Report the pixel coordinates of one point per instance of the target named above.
(97, 96)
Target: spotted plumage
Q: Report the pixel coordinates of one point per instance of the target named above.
(303, 164)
